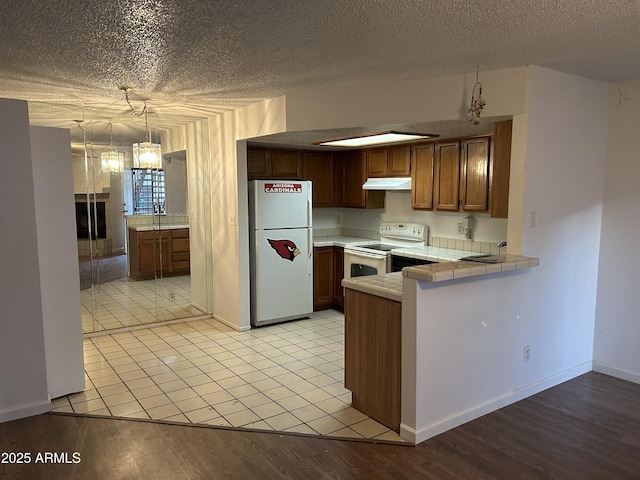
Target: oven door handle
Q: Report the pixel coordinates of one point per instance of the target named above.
(364, 255)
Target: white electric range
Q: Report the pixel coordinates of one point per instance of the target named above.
(374, 259)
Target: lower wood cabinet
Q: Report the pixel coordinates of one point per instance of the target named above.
(372, 355)
(158, 252)
(327, 275)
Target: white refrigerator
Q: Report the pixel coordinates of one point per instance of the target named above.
(281, 250)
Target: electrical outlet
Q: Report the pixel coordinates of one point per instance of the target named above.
(172, 296)
(527, 353)
(460, 228)
(532, 219)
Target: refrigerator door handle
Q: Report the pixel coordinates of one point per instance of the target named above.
(309, 251)
(309, 205)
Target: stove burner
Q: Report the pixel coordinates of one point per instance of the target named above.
(379, 246)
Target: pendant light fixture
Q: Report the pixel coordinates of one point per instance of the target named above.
(477, 102)
(111, 161)
(145, 154)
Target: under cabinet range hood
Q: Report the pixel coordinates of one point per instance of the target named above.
(387, 183)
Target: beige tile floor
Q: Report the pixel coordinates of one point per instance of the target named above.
(126, 302)
(285, 377)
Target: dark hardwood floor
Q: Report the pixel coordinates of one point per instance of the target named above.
(586, 428)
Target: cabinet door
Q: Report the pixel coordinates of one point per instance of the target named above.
(377, 162)
(500, 169)
(355, 166)
(286, 164)
(338, 275)
(355, 174)
(322, 278)
(422, 176)
(446, 176)
(338, 180)
(154, 256)
(474, 175)
(258, 163)
(399, 161)
(318, 167)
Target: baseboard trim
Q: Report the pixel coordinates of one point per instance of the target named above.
(616, 372)
(24, 410)
(232, 325)
(420, 434)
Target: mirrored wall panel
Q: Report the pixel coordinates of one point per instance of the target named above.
(131, 177)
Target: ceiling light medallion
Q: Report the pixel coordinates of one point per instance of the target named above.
(145, 154)
(477, 102)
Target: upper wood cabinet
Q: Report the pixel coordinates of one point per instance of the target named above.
(389, 161)
(474, 175)
(446, 180)
(354, 175)
(377, 162)
(286, 164)
(500, 169)
(318, 167)
(399, 161)
(422, 176)
(258, 163)
(461, 175)
(276, 164)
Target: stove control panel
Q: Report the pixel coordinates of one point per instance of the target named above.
(403, 231)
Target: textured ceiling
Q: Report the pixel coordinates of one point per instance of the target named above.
(189, 57)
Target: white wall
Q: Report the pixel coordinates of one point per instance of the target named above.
(23, 376)
(229, 204)
(551, 308)
(617, 330)
(58, 255)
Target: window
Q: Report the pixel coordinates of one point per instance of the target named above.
(148, 191)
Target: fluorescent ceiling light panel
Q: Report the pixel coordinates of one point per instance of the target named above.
(375, 139)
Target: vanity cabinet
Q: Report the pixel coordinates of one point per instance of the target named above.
(158, 252)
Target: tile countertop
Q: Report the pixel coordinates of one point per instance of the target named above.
(146, 228)
(389, 285)
(440, 272)
(341, 241)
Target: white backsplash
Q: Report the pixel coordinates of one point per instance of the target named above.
(398, 208)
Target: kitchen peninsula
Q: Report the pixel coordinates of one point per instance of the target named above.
(405, 337)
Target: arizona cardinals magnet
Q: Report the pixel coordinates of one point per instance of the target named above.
(285, 248)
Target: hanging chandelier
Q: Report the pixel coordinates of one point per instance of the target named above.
(477, 102)
(111, 161)
(146, 154)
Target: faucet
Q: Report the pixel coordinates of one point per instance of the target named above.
(500, 245)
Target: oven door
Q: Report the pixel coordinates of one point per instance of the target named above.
(358, 264)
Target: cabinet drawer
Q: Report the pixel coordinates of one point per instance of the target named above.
(180, 245)
(181, 265)
(180, 233)
(153, 234)
(176, 256)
